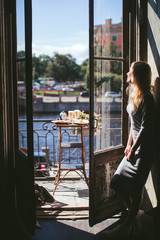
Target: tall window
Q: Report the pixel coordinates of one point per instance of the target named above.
(108, 65)
(21, 69)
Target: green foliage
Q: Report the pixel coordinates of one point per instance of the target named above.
(108, 72)
(85, 72)
(64, 68)
(40, 66)
(20, 54)
(116, 66)
(114, 81)
(21, 66)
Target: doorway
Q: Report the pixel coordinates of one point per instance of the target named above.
(60, 82)
(78, 63)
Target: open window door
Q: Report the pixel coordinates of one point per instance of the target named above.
(109, 56)
(24, 115)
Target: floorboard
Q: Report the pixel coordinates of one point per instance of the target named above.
(69, 230)
(67, 217)
(69, 193)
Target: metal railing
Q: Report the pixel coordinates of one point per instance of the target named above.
(46, 138)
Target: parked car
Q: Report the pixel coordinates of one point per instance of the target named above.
(41, 165)
(36, 86)
(51, 88)
(67, 89)
(58, 88)
(84, 94)
(112, 94)
(76, 88)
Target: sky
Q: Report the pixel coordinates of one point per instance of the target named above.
(63, 25)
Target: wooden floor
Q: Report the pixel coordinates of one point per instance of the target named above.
(67, 218)
(69, 192)
(69, 229)
(71, 200)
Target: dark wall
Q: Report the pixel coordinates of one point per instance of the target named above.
(153, 56)
(14, 222)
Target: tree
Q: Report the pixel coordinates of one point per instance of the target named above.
(85, 72)
(40, 65)
(64, 68)
(21, 67)
(60, 67)
(116, 66)
(113, 79)
(44, 61)
(21, 54)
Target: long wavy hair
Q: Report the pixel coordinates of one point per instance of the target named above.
(141, 82)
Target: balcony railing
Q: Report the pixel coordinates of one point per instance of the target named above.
(46, 138)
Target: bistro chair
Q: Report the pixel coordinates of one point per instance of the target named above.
(78, 167)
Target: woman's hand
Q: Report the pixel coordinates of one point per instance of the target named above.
(127, 149)
(129, 155)
(128, 152)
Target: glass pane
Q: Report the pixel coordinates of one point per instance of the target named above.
(22, 106)
(60, 69)
(108, 28)
(60, 52)
(107, 104)
(20, 29)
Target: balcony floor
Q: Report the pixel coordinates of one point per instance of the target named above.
(68, 216)
(69, 229)
(71, 198)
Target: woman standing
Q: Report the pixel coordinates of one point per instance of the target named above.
(131, 175)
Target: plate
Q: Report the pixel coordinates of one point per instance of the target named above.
(61, 121)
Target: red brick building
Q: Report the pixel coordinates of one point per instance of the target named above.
(107, 33)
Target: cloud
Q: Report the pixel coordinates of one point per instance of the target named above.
(79, 51)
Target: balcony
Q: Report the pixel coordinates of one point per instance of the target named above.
(72, 192)
(46, 139)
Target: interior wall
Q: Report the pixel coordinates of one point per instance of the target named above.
(6, 144)
(7, 200)
(153, 37)
(14, 221)
(153, 58)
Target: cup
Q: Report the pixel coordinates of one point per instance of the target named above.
(76, 113)
(71, 115)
